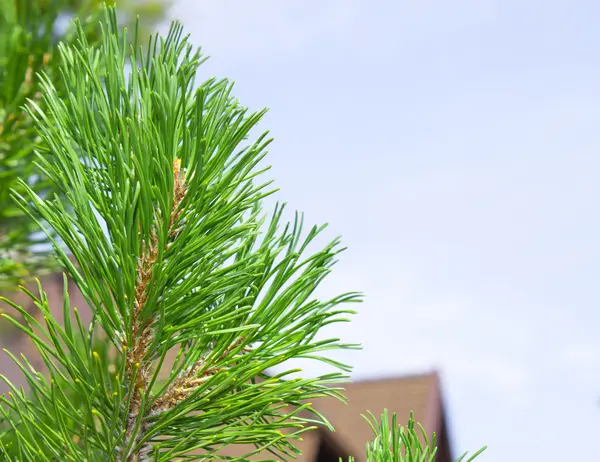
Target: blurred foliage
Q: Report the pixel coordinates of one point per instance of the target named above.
(29, 33)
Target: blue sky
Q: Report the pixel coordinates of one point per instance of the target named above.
(455, 146)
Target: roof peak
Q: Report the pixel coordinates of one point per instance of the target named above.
(431, 374)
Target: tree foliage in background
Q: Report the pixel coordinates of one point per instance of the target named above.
(29, 34)
(189, 263)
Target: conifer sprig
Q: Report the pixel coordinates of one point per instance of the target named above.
(397, 443)
(173, 255)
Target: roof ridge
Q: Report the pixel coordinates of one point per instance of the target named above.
(433, 373)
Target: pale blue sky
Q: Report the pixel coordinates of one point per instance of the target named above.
(456, 147)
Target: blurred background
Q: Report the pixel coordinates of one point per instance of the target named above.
(455, 147)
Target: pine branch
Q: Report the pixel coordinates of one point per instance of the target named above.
(173, 253)
(138, 366)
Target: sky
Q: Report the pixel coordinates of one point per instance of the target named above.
(455, 147)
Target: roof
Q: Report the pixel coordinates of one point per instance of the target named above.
(418, 393)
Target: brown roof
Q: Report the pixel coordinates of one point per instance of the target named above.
(417, 393)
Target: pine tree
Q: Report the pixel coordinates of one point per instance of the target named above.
(158, 198)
